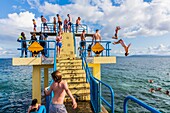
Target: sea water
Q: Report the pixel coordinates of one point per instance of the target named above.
(129, 76)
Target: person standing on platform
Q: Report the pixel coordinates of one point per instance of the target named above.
(54, 22)
(83, 39)
(34, 23)
(78, 23)
(96, 36)
(59, 22)
(44, 21)
(65, 25)
(59, 43)
(69, 22)
(22, 39)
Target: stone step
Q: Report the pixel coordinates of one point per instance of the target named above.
(68, 58)
(78, 79)
(72, 71)
(78, 97)
(67, 55)
(69, 61)
(83, 107)
(69, 64)
(72, 76)
(69, 67)
(86, 85)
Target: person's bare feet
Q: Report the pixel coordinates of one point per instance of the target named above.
(114, 37)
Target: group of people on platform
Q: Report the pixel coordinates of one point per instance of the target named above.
(67, 23)
(42, 39)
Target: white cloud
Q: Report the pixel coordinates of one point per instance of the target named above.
(14, 7)
(1, 48)
(139, 19)
(33, 3)
(16, 23)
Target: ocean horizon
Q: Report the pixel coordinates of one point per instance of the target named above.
(129, 76)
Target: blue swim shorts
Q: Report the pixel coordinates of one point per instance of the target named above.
(59, 44)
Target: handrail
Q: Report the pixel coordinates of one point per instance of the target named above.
(47, 48)
(105, 52)
(153, 110)
(95, 95)
(81, 27)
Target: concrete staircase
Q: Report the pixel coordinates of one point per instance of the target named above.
(75, 76)
(71, 70)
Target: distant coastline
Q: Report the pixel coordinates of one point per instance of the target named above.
(122, 56)
(145, 56)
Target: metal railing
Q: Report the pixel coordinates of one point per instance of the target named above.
(95, 90)
(79, 28)
(105, 44)
(74, 28)
(47, 48)
(50, 29)
(125, 108)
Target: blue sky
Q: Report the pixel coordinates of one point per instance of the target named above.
(145, 24)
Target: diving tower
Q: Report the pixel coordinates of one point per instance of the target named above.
(84, 85)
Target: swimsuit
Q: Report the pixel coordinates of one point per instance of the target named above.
(57, 108)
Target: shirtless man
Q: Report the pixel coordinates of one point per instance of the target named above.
(59, 42)
(116, 32)
(59, 22)
(44, 20)
(54, 22)
(83, 39)
(78, 22)
(60, 88)
(124, 45)
(97, 36)
(69, 22)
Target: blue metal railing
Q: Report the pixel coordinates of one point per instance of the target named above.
(105, 52)
(47, 49)
(51, 28)
(153, 110)
(95, 95)
(80, 28)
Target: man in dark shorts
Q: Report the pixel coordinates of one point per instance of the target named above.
(59, 22)
(69, 22)
(83, 39)
(44, 20)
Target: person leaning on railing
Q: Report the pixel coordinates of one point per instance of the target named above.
(22, 39)
(33, 39)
